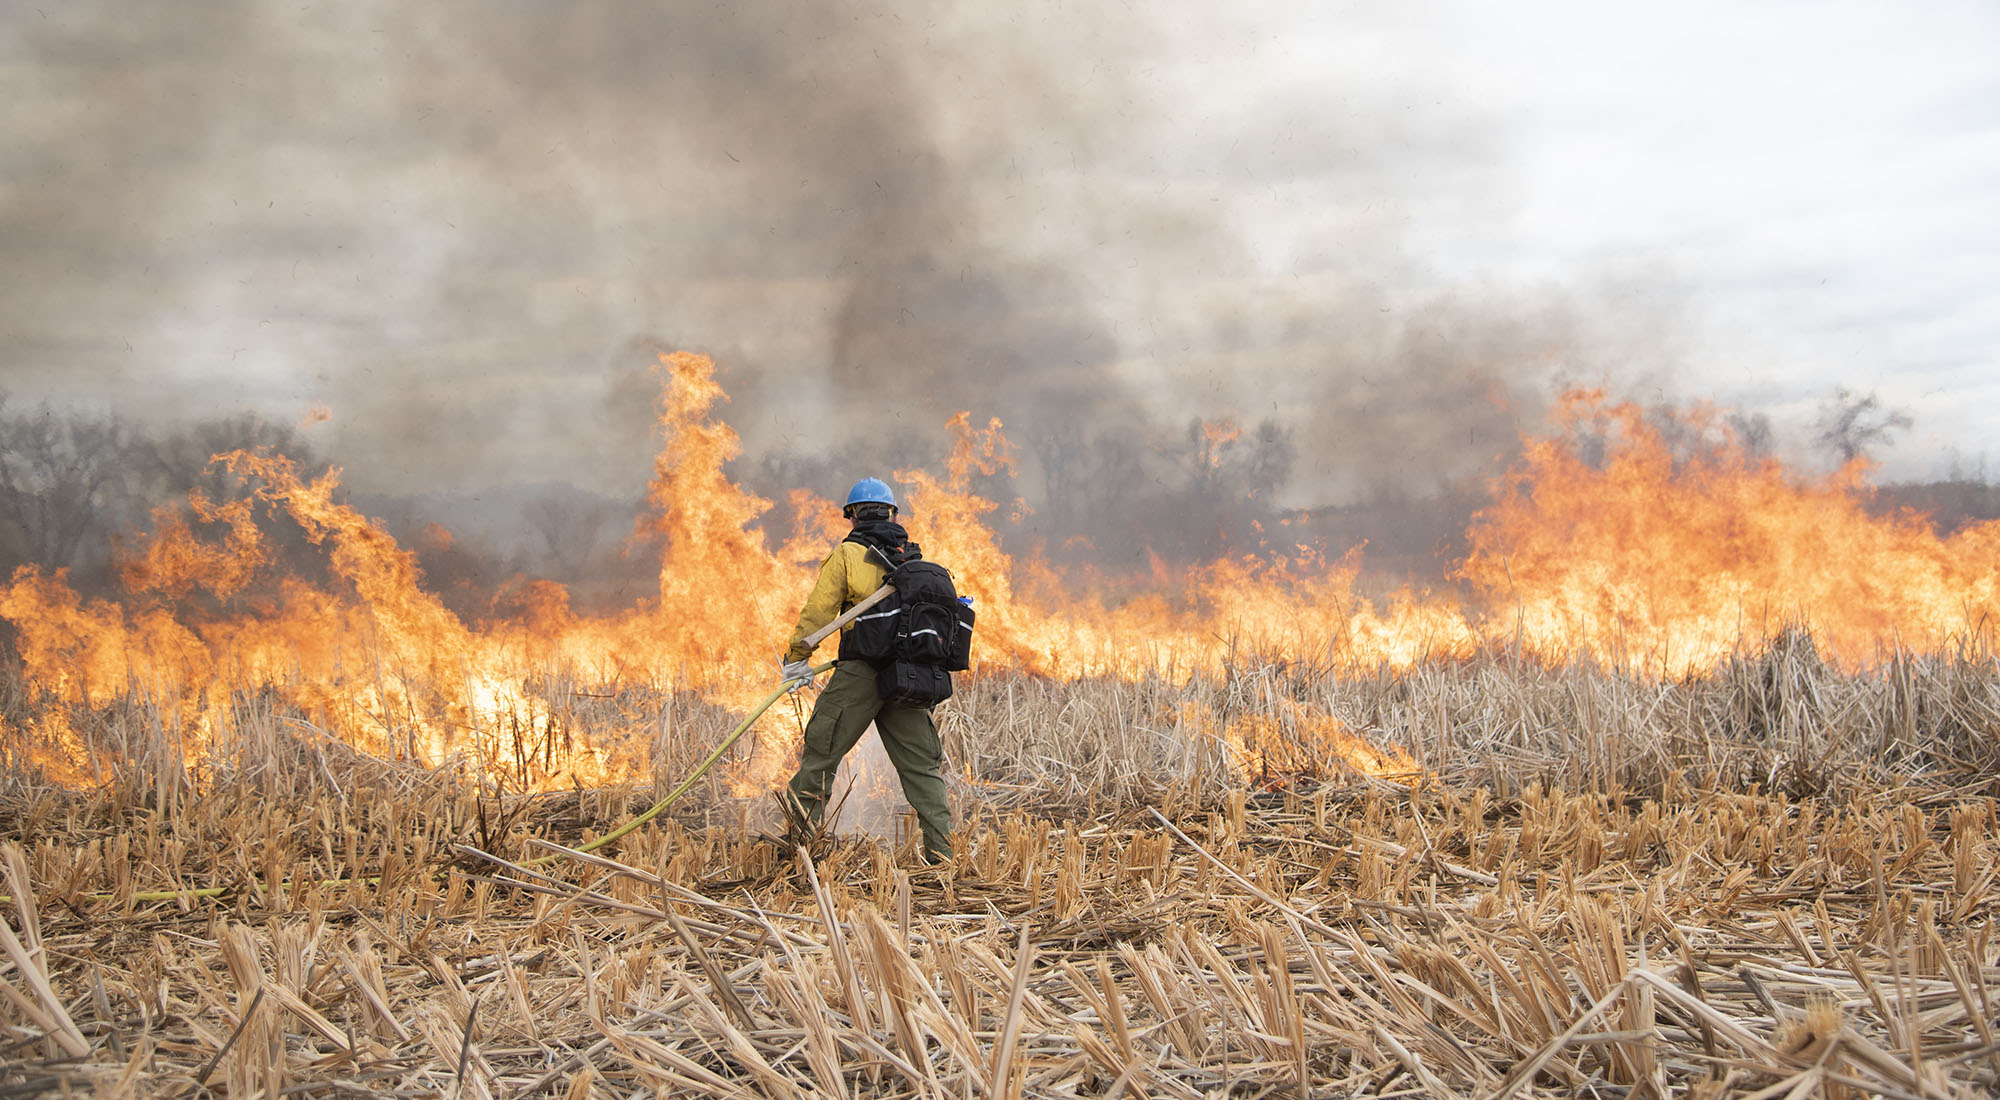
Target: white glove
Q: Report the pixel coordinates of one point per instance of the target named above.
(796, 670)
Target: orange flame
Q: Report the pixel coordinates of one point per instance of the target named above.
(1644, 557)
(1293, 740)
(1217, 436)
(1675, 564)
(722, 591)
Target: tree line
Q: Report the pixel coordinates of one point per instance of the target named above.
(80, 487)
(73, 482)
(76, 485)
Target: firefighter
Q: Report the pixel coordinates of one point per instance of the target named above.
(856, 568)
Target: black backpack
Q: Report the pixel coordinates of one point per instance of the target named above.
(917, 637)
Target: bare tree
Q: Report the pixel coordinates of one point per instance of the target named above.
(73, 484)
(1851, 424)
(181, 461)
(1089, 481)
(1753, 432)
(65, 485)
(1231, 477)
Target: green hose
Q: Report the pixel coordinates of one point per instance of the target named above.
(693, 777)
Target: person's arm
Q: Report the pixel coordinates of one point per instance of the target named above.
(822, 606)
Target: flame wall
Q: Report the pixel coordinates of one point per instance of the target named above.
(1660, 558)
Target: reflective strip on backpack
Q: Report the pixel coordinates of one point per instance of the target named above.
(929, 631)
(877, 615)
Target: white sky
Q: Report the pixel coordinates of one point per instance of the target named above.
(1822, 178)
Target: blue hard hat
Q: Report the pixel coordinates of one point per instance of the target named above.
(870, 490)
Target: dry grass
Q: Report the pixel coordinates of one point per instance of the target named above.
(1776, 880)
(1780, 719)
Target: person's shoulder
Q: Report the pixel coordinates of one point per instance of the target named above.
(855, 552)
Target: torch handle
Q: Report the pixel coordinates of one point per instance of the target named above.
(847, 616)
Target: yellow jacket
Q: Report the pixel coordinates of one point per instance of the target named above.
(846, 578)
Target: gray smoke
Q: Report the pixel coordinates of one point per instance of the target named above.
(461, 227)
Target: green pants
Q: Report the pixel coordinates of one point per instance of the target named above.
(839, 719)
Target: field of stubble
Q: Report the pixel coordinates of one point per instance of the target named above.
(1774, 880)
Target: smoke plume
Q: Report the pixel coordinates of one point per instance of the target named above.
(461, 226)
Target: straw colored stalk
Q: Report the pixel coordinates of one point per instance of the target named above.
(1601, 884)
